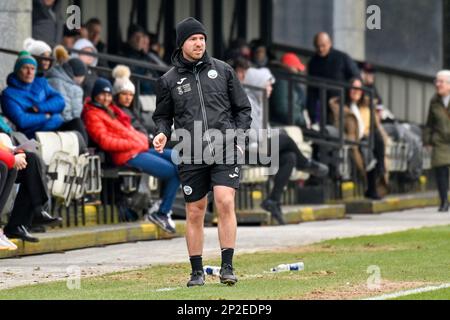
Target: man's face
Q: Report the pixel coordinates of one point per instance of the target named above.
(194, 47)
(323, 46)
(94, 32)
(137, 41)
(442, 84)
(260, 53)
(68, 42)
(26, 73)
(48, 3)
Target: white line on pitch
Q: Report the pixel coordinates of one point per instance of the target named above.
(409, 292)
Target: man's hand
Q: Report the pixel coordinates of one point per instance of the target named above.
(35, 109)
(159, 142)
(20, 163)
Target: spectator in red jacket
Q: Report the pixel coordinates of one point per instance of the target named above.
(111, 129)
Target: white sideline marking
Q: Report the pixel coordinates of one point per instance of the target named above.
(166, 289)
(409, 292)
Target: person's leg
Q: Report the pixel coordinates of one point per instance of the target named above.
(281, 179)
(196, 183)
(225, 181)
(7, 179)
(227, 225)
(155, 165)
(379, 152)
(442, 176)
(286, 144)
(195, 216)
(33, 189)
(224, 198)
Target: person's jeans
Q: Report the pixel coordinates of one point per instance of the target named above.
(159, 165)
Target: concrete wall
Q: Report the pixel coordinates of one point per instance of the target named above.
(407, 98)
(349, 27)
(15, 26)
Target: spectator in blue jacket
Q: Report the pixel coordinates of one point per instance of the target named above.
(29, 101)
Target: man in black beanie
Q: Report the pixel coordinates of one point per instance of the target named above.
(203, 92)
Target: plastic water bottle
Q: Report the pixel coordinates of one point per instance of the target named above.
(299, 266)
(211, 270)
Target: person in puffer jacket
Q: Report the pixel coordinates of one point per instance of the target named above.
(67, 79)
(29, 101)
(111, 129)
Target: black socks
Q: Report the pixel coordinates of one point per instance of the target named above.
(227, 256)
(196, 263)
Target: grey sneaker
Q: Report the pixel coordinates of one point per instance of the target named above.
(162, 221)
(227, 275)
(197, 279)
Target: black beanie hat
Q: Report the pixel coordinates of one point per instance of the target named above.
(187, 28)
(77, 66)
(101, 85)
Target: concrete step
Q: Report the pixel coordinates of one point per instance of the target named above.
(292, 214)
(59, 240)
(392, 203)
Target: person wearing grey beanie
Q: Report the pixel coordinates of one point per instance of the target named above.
(67, 79)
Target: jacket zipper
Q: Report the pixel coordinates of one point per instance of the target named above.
(202, 105)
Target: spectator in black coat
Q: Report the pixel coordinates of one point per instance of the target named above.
(331, 64)
(48, 21)
(134, 49)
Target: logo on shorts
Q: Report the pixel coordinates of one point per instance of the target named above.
(212, 74)
(187, 190)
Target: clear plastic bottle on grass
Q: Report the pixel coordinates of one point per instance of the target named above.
(298, 266)
(211, 270)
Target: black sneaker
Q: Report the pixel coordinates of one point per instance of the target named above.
(162, 220)
(227, 275)
(274, 209)
(197, 279)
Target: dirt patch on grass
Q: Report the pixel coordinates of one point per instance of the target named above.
(357, 291)
(150, 277)
(326, 248)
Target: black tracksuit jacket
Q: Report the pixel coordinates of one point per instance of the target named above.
(207, 90)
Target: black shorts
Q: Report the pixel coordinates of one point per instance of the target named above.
(198, 179)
